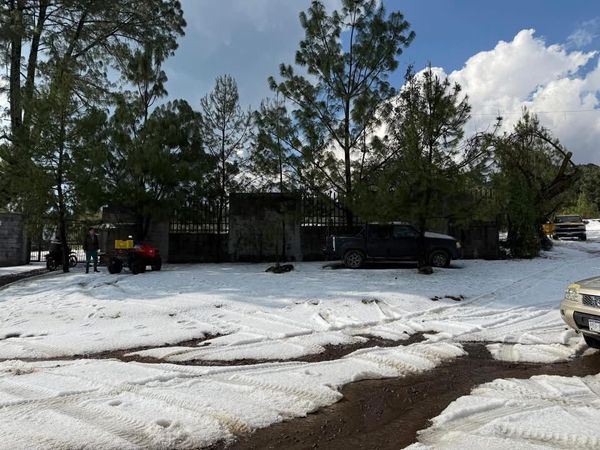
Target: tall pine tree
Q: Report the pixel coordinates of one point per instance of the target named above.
(347, 55)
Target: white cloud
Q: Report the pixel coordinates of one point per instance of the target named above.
(585, 34)
(556, 83)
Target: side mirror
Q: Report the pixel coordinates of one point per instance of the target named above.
(586, 222)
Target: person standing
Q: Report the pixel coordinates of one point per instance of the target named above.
(91, 247)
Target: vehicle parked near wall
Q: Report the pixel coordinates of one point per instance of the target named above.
(391, 242)
(134, 256)
(580, 309)
(569, 226)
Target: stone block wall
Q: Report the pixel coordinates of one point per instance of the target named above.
(265, 227)
(13, 240)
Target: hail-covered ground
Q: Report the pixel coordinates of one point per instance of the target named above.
(48, 399)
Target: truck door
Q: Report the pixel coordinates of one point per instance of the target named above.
(404, 238)
(379, 238)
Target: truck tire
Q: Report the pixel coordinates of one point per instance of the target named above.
(354, 259)
(591, 341)
(439, 258)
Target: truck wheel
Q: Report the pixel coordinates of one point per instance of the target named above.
(115, 266)
(354, 259)
(591, 341)
(555, 237)
(439, 258)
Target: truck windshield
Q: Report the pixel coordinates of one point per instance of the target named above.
(563, 219)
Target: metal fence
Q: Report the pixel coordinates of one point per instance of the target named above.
(325, 211)
(200, 216)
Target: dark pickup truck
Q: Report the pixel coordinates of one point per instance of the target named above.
(391, 242)
(569, 227)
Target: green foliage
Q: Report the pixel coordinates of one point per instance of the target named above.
(142, 160)
(225, 132)
(273, 157)
(60, 55)
(425, 177)
(348, 56)
(532, 181)
(583, 207)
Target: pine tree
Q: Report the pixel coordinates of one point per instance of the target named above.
(426, 175)
(348, 56)
(225, 133)
(273, 156)
(533, 178)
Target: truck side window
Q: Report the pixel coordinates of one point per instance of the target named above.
(404, 231)
(380, 233)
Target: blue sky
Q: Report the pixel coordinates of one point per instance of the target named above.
(553, 70)
(450, 31)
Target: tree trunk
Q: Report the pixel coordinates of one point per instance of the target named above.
(222, 194)
(347, 165)
(16, 42)
(62, 210)
(32, 65)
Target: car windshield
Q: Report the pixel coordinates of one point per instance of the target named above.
(563, 219)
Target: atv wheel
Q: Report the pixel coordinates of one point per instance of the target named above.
(439, 258)
(137, 266)
(354, 259)
(591, 341)
(115, 266)
(157, 264)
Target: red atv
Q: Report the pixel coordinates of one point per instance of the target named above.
(137, 257)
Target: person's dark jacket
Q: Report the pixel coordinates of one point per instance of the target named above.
(91, 243)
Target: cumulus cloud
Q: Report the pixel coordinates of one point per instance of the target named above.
(561, 86)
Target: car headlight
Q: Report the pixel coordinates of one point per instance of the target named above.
(572, 295)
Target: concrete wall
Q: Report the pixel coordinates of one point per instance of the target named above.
(480, 240)
(264, 227)
(13, 240)
(197, 247)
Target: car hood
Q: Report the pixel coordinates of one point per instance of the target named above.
(592, 284)
(429, 234)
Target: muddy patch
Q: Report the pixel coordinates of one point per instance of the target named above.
(332, 352)
(122, 353)
(388, 413)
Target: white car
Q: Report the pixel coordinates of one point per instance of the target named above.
(580, 309)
